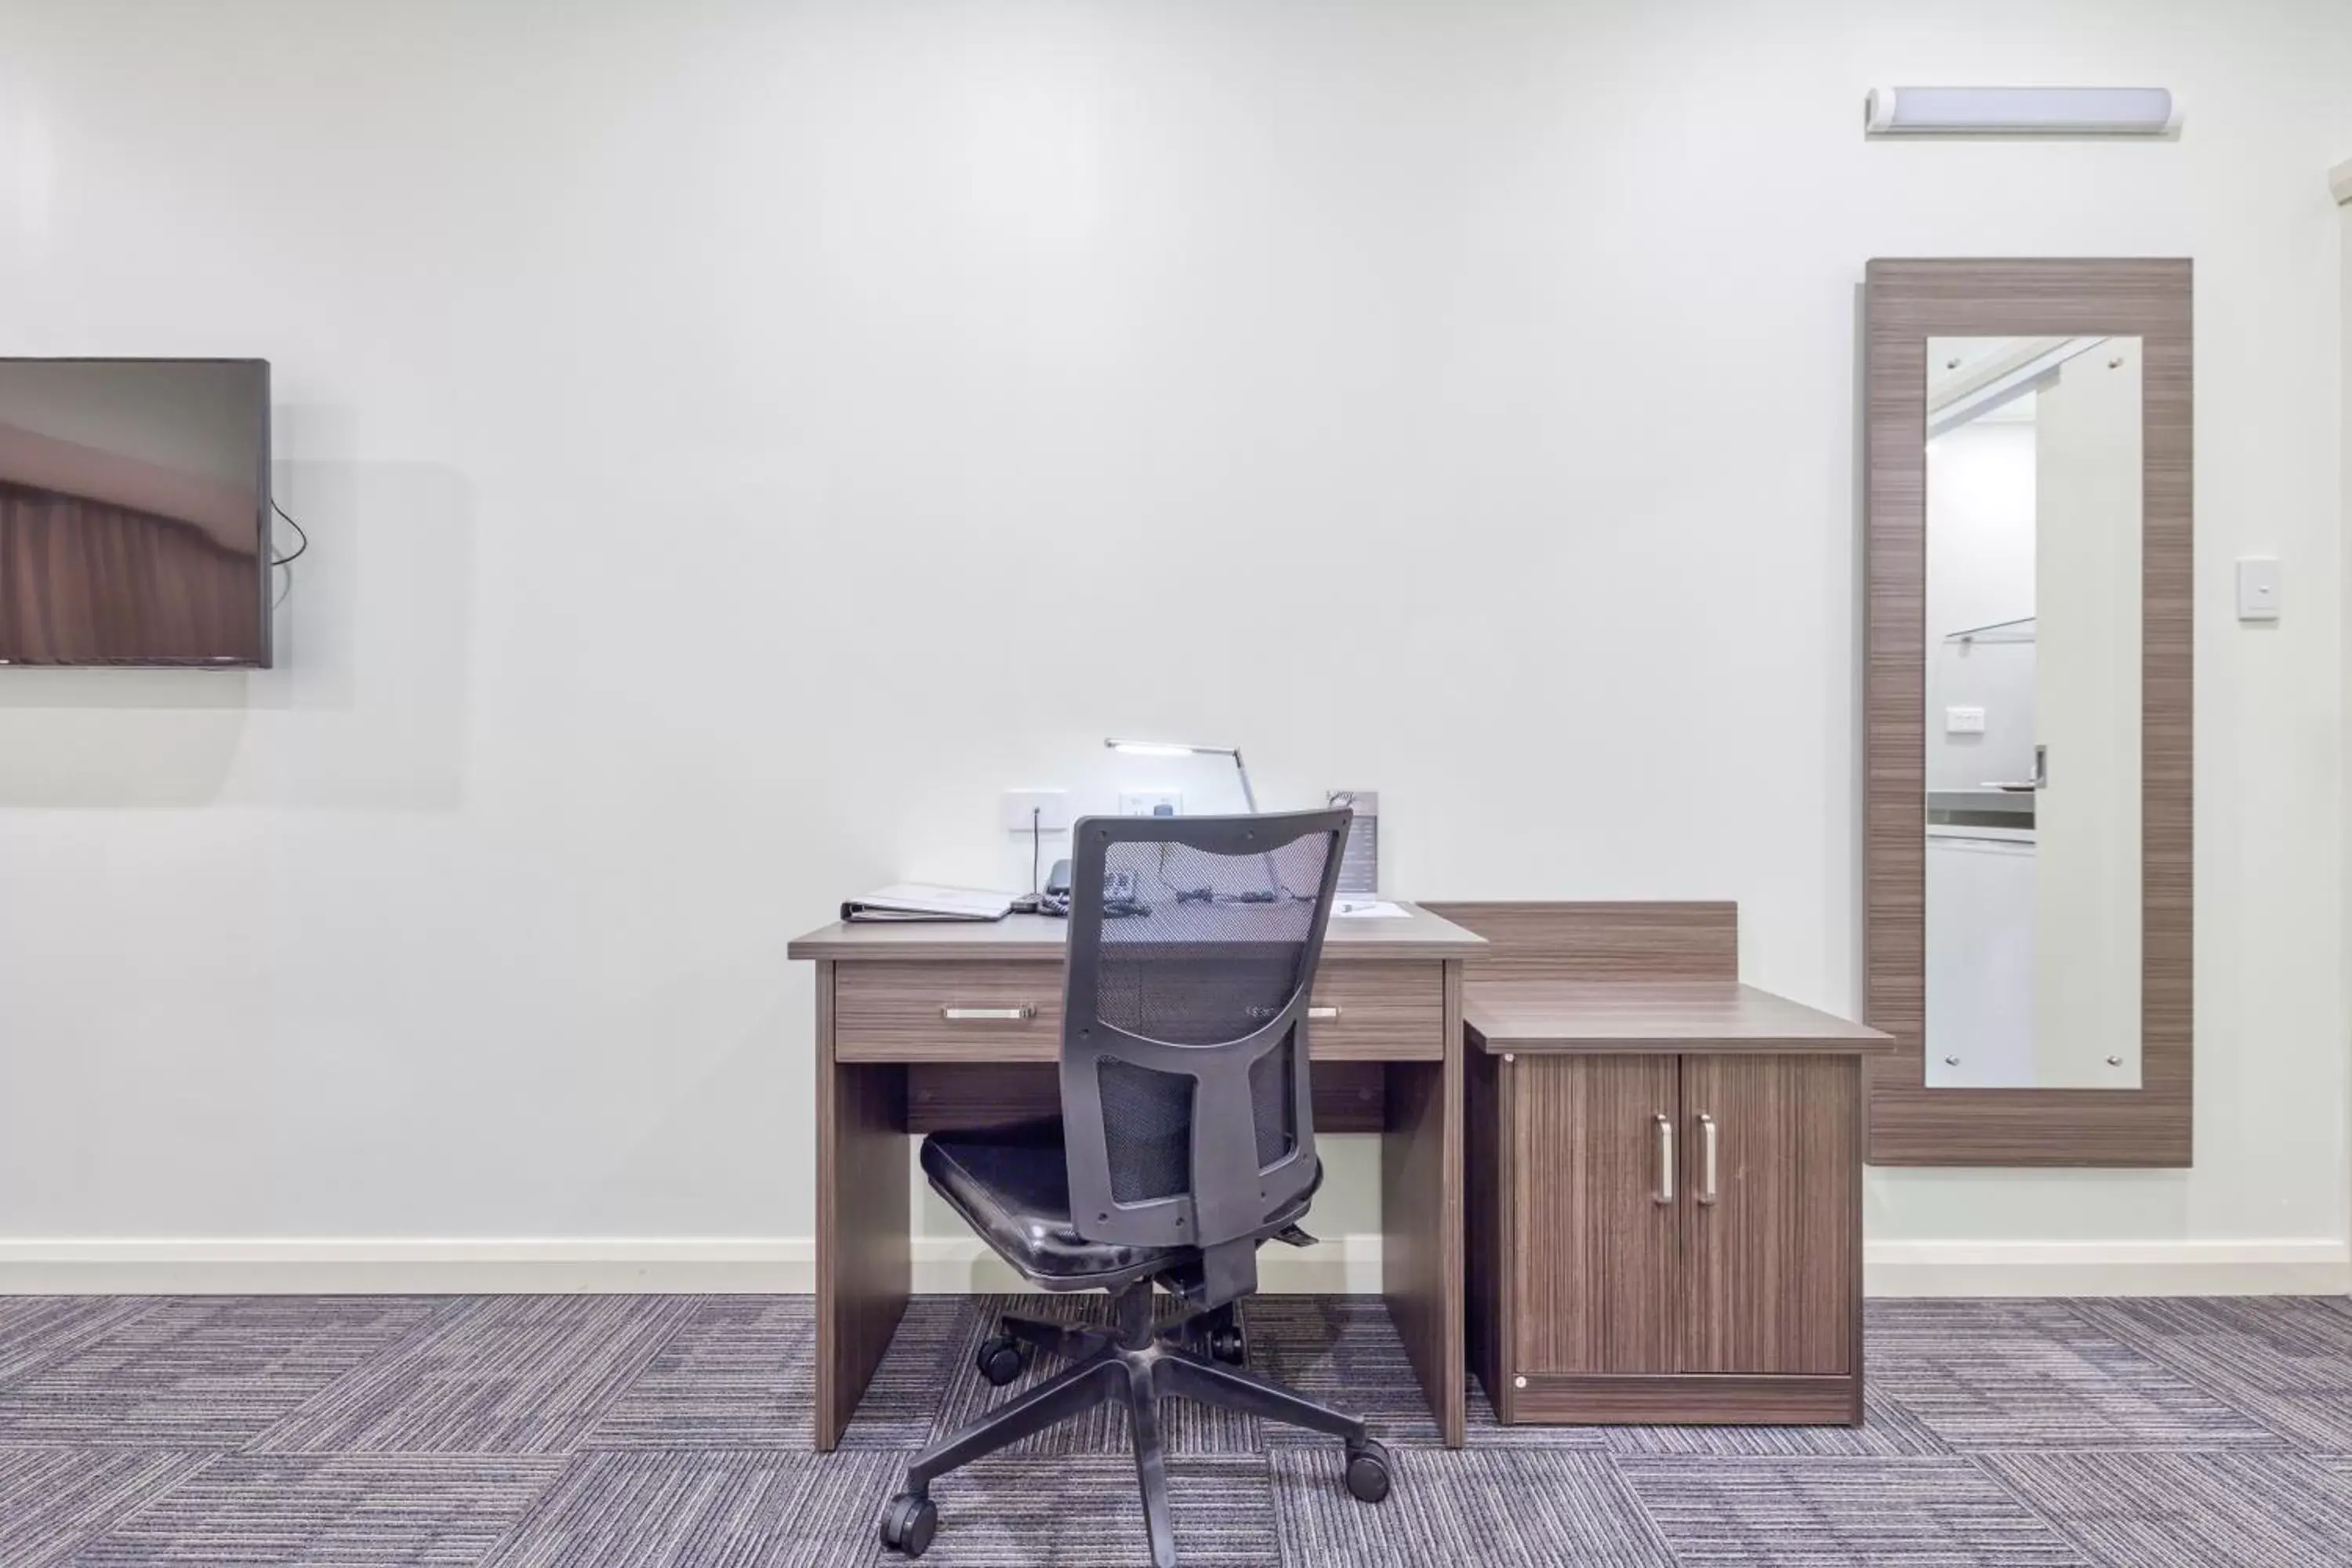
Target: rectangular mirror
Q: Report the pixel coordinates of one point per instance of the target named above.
(2028, 711)
(2033, 718)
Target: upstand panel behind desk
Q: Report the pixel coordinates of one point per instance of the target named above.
(922, 1027)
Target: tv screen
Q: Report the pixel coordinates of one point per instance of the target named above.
(135, 512)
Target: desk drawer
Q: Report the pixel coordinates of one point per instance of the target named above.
(1386, 1012)
(896, 1011)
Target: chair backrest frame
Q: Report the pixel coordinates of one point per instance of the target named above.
(1229, 1195)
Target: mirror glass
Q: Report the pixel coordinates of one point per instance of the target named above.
(2033, 695)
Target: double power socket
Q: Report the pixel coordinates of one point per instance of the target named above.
(1048, 810)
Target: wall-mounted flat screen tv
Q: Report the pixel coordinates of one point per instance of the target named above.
(135, 512)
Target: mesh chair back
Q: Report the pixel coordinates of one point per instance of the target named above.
(1193, 945)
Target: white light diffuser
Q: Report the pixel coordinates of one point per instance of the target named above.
(2023, 111)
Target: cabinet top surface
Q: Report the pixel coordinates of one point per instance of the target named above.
(1634, 1015)
(1420, 935)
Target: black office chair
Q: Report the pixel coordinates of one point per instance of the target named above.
(1186, 1140)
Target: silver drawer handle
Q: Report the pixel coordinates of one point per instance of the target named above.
(1706, 1140)
(988, 1014)
(1664, 1190)
(1322, 1014)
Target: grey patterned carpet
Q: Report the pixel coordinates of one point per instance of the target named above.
(673, 1432)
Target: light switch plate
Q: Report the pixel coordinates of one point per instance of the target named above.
(2258, 588)
(1050, 807)
(1963, 720)
(1151, 803)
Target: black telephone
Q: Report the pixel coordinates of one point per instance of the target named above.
(1121, 893)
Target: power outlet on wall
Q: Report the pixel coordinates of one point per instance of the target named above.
(1047, 809)
(1964, 721)
(1151, 803)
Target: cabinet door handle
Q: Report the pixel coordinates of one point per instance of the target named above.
(988, 1014)
(1707, 1131)
(1663, 1192)
(1322, 1014)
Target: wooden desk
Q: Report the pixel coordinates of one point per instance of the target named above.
(1666, 1202)
(924, 1027)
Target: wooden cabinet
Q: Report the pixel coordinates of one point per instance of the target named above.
(1660, 1234)
(1592, 1221)
(1770, 1252)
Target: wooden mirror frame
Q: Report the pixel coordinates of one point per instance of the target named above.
(1905, 303)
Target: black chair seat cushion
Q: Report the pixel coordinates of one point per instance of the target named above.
(1012, 1185)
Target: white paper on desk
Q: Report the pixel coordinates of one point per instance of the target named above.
(926, 901)
(1368, 910)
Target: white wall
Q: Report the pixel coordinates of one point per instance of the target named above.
(2340, 186)
(739, 438)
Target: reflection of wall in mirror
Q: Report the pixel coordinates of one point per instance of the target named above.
(1980, 531)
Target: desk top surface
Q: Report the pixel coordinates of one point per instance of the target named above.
(1631, 1017)
(1420, 935)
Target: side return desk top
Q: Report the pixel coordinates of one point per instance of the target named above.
(926, 1025)
(1629, 1017)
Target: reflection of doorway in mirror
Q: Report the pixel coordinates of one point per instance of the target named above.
(2033, 705)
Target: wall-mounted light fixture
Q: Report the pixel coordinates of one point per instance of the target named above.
(2023, 111)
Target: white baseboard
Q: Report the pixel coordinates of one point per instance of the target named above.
(956, 1265)
(943, 1266)
(2294, 1265)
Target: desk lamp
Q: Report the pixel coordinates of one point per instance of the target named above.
(1170, 749)
(1174, 748)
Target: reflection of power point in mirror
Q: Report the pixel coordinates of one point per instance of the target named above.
(2258, 588)
(1151, 803)
(1964, 721)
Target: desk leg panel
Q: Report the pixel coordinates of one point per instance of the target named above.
(863, 1268)
(1421, 1217)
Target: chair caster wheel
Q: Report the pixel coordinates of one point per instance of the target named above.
(1219, 1336)
(1001, 1359)
(1367, 1471)
(908, 1523)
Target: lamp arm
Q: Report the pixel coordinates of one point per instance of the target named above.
(1248, 794)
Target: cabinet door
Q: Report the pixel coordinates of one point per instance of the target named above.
(1771, 1237)
(1594, 1213)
